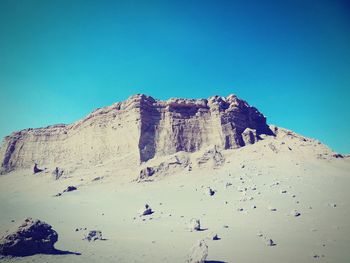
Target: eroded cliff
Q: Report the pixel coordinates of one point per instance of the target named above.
(135, 131)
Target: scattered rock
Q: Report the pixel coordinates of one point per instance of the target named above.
(270, 242)
(316, 256)
(275, 183)
(338, 155)
(295, 213)
(70, 189)
(31, 237)
(283, 191)
(36, 169)
(94, 235)
(215, 237)
(146, 172)
(57, 173)
(199, 252)
(209, 191)
(97, 178)
(146, 211)
(194, 225)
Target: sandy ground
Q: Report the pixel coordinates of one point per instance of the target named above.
(286, 181)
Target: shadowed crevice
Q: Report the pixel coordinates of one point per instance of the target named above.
(149, 118)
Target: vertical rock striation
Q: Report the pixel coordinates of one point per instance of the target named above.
(137, 130)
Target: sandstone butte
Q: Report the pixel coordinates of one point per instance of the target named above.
(135, 131)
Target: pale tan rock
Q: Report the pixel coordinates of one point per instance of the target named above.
(199, 252)
(136, 131)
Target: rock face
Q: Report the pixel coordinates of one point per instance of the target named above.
(31, 237)
(171, 165)
(140, 129)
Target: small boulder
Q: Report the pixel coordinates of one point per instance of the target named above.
(70, 189)
(270, 242)
(209, 191)
(146, 172)
(146, 211)
(93, 235)
(199, 252)
(29, 238)
(194, 225)
(273, 209)
(228, 184)
(295, 213)
(97, 178)
(216, 237)
(36, 169)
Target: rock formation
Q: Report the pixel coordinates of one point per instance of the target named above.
(31, 237)
(138, 129)
(177, 162)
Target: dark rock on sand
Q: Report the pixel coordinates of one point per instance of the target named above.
(29, 238)
(94, 235)
(70, 189)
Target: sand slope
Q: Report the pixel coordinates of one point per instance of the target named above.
(285, 173)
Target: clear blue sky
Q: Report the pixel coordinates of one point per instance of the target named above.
(59, 60)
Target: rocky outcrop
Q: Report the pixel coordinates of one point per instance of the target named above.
(137, 130)
(213, 155)
(31, 237)
(171, 165)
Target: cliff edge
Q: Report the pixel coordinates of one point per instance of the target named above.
(135, 131)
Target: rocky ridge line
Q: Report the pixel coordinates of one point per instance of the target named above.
(140, 128)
